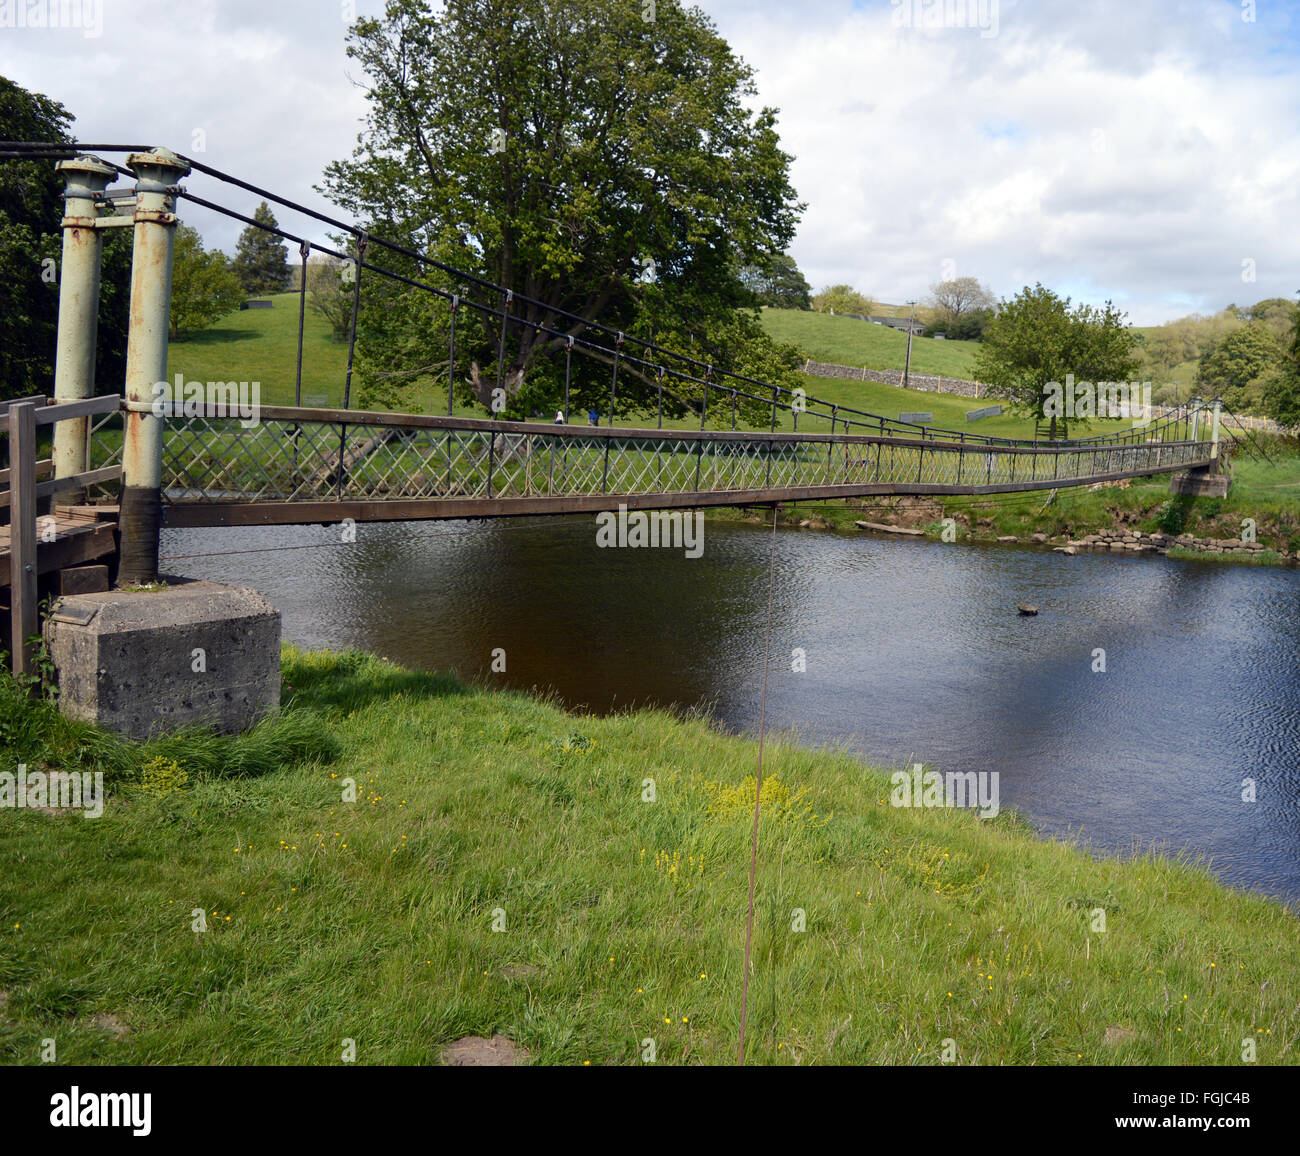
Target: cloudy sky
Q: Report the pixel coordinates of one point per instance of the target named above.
(1142, 150)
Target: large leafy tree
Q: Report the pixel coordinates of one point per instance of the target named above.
(955, 301)
(598, 162)
(30, 252)
(1234, 367)
(204, 286)
(1037, 339)
(1282, 389)
(778, 283)
(260, 257)
(843, 299)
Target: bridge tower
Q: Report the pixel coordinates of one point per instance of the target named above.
(146, 360)
(85, 180)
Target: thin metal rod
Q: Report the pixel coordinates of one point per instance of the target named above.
(568, 365)
(451, 357)
(501, 347)
(352, 348)
(758, 797)
(304, 250)
(613, 385)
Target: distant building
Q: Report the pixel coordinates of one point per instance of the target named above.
(900, 323)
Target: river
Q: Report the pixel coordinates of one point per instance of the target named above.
(914, 653)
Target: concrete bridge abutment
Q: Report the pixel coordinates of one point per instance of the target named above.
(146, 662)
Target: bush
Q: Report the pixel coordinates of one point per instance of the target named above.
(1172, 515)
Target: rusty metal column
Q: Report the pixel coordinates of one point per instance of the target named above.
(140, 518)
(85, 180)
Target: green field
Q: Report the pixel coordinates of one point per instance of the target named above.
(846, 341)
(949, 409)
(261, 345)
(621, 921)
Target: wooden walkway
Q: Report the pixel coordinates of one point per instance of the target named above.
(69, 536)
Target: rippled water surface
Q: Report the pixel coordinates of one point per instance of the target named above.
(915, 652)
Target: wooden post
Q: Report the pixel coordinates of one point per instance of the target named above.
(22, 532)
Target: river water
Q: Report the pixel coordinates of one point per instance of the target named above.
(914, 653)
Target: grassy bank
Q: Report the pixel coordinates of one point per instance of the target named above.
(1266, 492)
(847, 341)
(623, 919)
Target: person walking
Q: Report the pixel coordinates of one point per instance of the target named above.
(593, 417)
(559, 417)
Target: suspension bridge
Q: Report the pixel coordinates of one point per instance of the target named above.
(123, 464)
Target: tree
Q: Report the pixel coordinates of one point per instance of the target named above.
(1281, 392)
(843, 299)
(30, 251)
(204, 286)
(1232, 367)
(329, 293)
(1037, 340)
(953, 300)
(778, 283)
(970, 326)
(1277, 313)
(261, 262)
(593, 161)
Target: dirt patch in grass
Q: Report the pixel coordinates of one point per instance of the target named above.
(108, 1022)
(477, 1052)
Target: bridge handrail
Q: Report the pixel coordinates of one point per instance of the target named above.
(412, 421)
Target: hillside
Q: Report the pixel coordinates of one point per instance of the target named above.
(261, 345)
(847, 341)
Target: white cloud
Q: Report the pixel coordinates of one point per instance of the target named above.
(1108, 149)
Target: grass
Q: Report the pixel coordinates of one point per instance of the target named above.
(623, 919)
(949, 410)
(1267, 492)
(261, 345)
(847, 341)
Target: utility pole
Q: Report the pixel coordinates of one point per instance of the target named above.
(907, 365)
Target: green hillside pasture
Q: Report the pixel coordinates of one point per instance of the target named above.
(846, 341)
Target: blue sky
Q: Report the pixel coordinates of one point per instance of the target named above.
(1141, 150)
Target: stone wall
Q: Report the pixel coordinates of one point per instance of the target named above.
(1134, 541)
(926, 382)
(929, 383)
